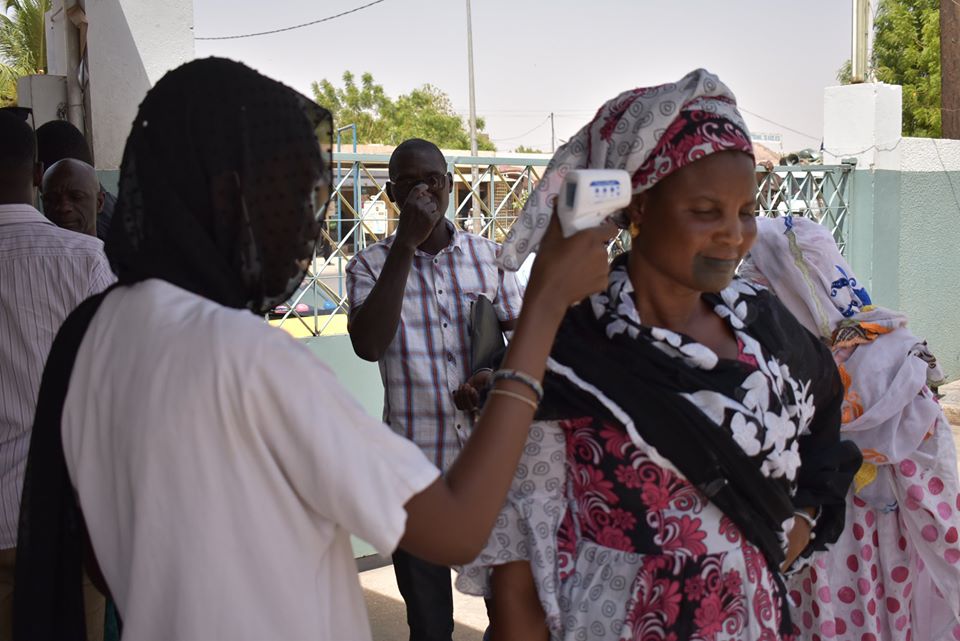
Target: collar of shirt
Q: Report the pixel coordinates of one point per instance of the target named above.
(456, 241)
(21, 213)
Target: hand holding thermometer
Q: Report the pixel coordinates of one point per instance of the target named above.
(590, 196)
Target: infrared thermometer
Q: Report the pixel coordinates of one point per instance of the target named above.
(590, 196)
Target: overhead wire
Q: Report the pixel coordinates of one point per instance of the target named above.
(290, 28)
(781, 125)
(545, 120)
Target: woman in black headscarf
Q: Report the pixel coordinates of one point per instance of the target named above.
(219, 490)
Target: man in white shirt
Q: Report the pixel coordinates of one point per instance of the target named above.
(45, 272)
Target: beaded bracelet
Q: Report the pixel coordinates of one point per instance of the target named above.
(515, 396)
(520, 377)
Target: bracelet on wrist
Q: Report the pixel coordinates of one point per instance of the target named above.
(515, 396)
(811, 521)
(520, 377)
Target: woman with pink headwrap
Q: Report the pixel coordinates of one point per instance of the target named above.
(894, 574)
(687, 445)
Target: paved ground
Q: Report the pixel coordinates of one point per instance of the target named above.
(388, 618)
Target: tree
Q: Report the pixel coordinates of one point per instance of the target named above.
(528, 150)
(22, 45)
(425, 112)
(906, 52)
(357, 105)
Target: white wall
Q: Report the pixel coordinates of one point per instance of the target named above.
(864, 122)
(930, 154)
(131, 44)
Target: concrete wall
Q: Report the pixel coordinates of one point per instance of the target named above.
(929, 244)
(360, 377)
(903, 238)
(131, 44)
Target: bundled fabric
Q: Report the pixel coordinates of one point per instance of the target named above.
(650, 132)
(799, 259)
(242, 241)
(902, 512)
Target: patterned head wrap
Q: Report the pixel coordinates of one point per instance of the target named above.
(651, 132)
(210, 126)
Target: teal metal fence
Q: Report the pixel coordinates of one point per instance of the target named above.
(361, 214)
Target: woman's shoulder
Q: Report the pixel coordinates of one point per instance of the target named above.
(747, 290)
(764, 307)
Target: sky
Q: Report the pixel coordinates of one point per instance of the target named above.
(533, 57)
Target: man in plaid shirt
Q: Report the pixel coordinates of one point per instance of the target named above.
(410, 298)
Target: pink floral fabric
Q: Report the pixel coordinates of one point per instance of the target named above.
(698, 579)
(621, 548)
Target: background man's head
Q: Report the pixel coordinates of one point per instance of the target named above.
(71, 196)
(418, 161)
(19, 172)
(58, 139)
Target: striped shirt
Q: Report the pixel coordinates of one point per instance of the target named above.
(429, 357)
(45, 272)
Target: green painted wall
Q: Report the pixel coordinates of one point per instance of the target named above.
(929, 261)
(874, 233)
(110, 179)
(359, 377)
(904, 243)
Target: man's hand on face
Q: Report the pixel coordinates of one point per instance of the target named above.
(419, 214)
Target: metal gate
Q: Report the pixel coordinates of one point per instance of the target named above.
(361, 214)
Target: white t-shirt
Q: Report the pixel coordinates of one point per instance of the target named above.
(221, 469)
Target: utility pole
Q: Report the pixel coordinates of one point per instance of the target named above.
(950, 69)
(861, 34)
(74, 60)
(553, 135)
(475, 206)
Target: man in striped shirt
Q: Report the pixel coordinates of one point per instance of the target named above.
(410, 298)
(45, 272)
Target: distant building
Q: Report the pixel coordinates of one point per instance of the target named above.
(770, 140)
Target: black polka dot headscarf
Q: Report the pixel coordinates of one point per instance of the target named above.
(223, 185)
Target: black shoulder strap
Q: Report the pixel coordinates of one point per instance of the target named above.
(48, 592)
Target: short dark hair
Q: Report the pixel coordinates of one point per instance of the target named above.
(18, 146)
(411, 145)
(58, 139)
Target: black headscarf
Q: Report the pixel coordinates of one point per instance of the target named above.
(214, 199)
(207, 185)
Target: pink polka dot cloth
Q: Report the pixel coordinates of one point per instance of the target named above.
(894, 574)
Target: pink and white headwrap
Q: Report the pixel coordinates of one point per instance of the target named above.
(650, 132)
